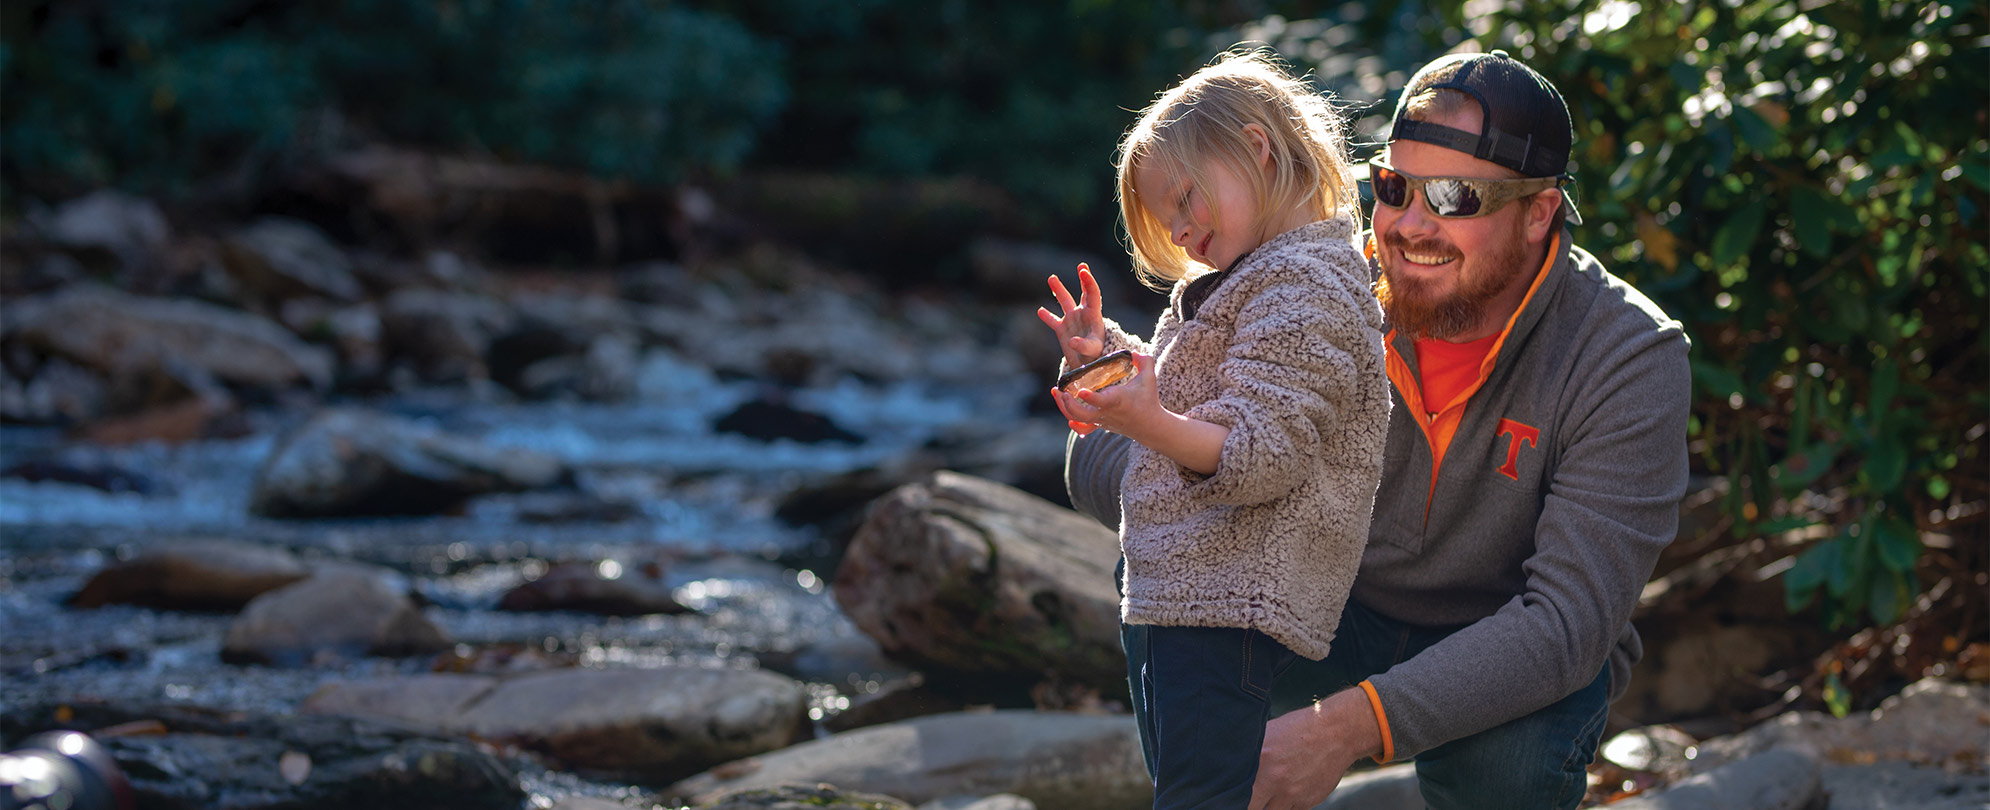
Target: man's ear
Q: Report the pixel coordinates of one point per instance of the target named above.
(1543, 215)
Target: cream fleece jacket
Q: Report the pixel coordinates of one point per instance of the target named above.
(1285, 351)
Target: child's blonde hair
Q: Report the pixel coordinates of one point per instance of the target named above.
(1203, 118)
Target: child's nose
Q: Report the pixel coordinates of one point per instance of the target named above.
(1182, 233)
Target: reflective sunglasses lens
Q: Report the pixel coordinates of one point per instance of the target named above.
(1391, 189)
(1451, 198)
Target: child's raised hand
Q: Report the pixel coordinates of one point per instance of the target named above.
(1124, 408)
(1081, 332)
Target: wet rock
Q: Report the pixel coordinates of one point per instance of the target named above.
(656, 283)
(201, 575)
(585, 803)
(963, 574)
(1774, 780)
(118, 334)
(770, 417)
(1931, 722)
(120, 230)
(345, 462)
(607, 588)
(92, 473)
(999, 801)
(502, 658)
(511, 355)
(391, 580)
(278, 258)
(1018, 271)
(573, 507)
(1905, 786)
(353, 331)
(799, 797)
(843, 656)
(435, 270)
(339, 613)
(815, 333)
(1058, 761)
(443, 335)
(204, 760)
(1929, 740)
(899, 700)
(60, 392)
(659, 724)
(196, 417)
(836, 504)
(582, 317)
(604, 372)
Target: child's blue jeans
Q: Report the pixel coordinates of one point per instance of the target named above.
(1207, 695)
(1536, 761)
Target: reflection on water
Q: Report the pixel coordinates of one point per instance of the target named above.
(703, 502)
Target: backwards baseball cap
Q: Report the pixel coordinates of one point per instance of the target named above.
(1525, 126)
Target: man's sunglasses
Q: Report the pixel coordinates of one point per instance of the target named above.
(1453, 197)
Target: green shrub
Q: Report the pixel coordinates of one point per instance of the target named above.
(156, 96)
(1807, 188)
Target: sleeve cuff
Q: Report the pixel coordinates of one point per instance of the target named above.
(1381, 722)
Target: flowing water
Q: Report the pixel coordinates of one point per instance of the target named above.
(705, 499)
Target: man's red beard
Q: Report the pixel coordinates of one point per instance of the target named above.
(1414, 308)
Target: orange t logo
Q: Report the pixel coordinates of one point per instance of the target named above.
(1520, 433)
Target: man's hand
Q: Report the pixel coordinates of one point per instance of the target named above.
(1306, 752)
(1081, 332)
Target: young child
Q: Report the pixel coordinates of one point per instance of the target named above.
(1259, 408)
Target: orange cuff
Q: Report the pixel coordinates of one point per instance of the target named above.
(1382, 722)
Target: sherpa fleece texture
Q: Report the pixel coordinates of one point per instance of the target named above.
(1287, 353)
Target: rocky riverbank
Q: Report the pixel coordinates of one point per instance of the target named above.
(289, 523)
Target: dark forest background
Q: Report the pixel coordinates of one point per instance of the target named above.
(1805, 184)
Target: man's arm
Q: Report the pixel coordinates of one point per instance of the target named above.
(1611, 507)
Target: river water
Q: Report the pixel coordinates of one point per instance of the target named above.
(706, 502)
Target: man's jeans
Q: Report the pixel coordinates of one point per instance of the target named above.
(1206, 694)
(1532, 762)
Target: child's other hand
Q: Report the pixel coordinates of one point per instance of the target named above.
(1081, 332)
(1122, 409)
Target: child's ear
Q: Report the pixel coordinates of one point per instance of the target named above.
(1260, 142)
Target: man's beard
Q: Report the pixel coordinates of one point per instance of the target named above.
(1414, 308)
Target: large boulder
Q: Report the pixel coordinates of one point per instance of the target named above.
(654, 724)
(345, 462)
(1059, 761)
(962, 574)
(338, 612)
(120, 334)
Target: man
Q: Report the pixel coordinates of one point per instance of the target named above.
(1535, 462)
